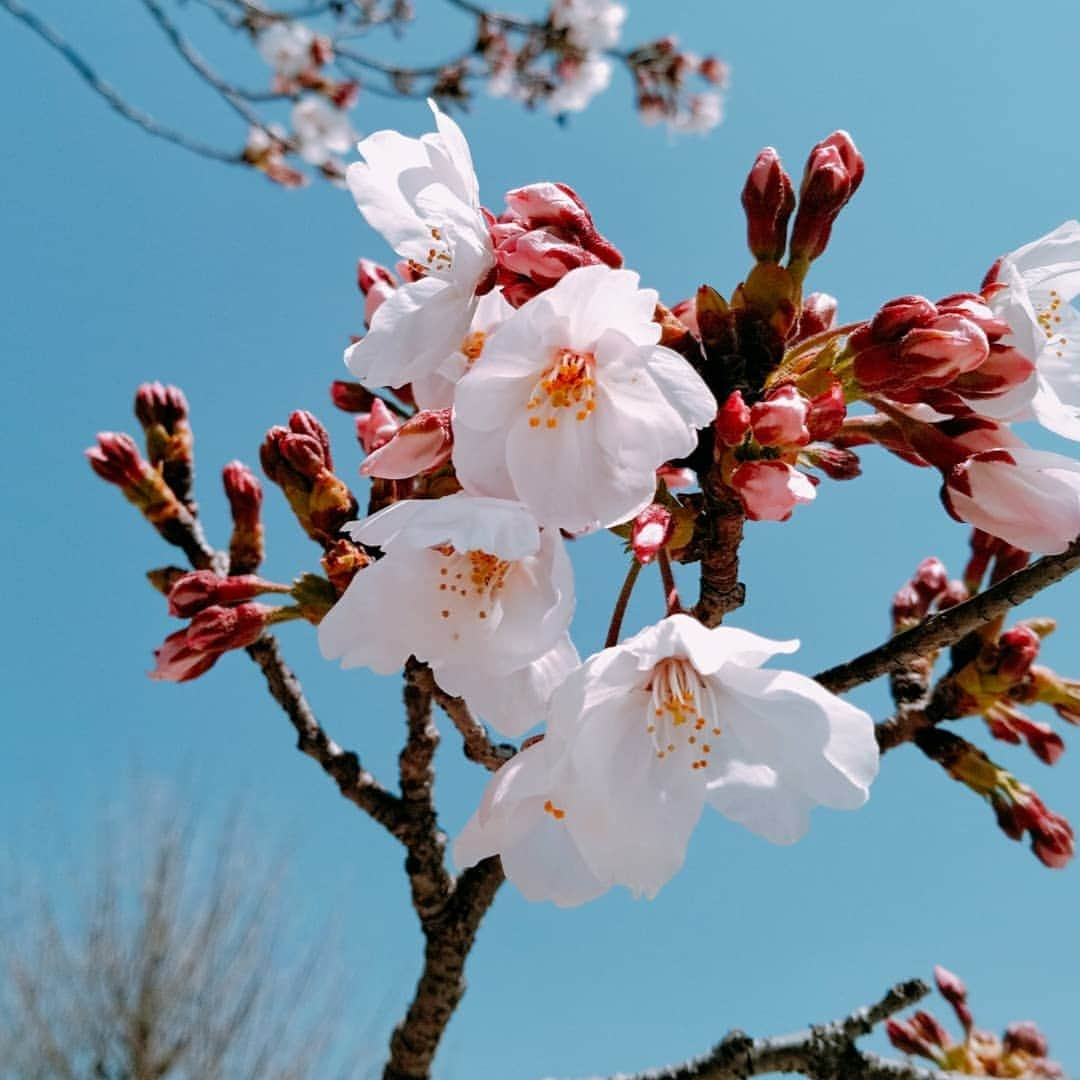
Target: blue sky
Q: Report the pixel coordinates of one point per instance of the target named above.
(122, 260)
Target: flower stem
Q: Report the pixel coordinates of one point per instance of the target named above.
(667, 575)
(620, 604)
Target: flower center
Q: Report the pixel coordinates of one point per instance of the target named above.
(682, 714)
(1049, 319)
(438, 256)
(470, 582)
(473, 346)
(568, 383)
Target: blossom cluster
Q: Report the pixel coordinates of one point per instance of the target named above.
(546, 399)
(561, 61)
(1021, 1052)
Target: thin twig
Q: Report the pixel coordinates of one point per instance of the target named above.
(229, 93)
(823, 1051)
(111, 96)
(619, 613)
(947, 627)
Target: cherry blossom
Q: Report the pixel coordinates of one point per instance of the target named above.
(472, 586)
(286, 46)
(574, 405)
(580, 81)
(1040, 280)
(422, 195)
(589, 24)
(1028, 498)
(322, 131)
(436, 390)
(643, 735)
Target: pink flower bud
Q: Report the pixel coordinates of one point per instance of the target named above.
(780, 420)
(899, 316)
(974, 308)
(733, 420)
(177, 661)
(376, 428)
(1004, 369)
(836, 463)
(652, 529)
(907, 1040)
(908, 607)
(818, 315)
(833, 172)
(376, 283)
(1053, 842)
(1018, 650)
(243, 490)
(947, 346)
(930, 579)
(203, 588)
(351, 397)
(930, 1029)
(954, 992)
(714, 71)
(423, 443)
(156, 403)
(303, 422)
(1024, 1036)
(116, 459)
(826, 413)
(770, 490)
(768, 199)
(955, 593)
(216, 629)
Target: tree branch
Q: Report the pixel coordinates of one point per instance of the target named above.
(946, 628)
(825, 1051)
(722, 527)
(354, 782)
(477, 742)
(111, 96)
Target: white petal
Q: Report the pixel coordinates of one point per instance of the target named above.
(754, 796)
(413, 331)
(466, 522)
(513, 703)
(682, 386)
(818, 743)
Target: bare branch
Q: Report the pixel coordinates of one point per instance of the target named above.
(825, 1051)
(426, 842)
(111, 96)
(946, 628)
(353, 781)
(722, 528)
(231, 94)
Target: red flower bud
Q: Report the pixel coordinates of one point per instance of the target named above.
(220, 628)
(351, 397)
(818, 315)
(827, 412)
(733, 420)
(652, 529)
(1024, 1036)
(177, 661)
(1019, 648)
(899, 316)
(768, 199)
(780, 420)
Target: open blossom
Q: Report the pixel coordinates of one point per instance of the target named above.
(1040, 281)
(589, 24)
(422, 195)
(642, 736)
(1028, 498)
(286, 46)
(322, 130)
(575, 406)
(436, 390)
(579, 82)
(472, 586)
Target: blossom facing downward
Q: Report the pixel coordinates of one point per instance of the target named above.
(1040, 280)
(323, 132)
(470, 585)
(575, 405)
(1028, 498)
(642, 736)
(423, 197)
